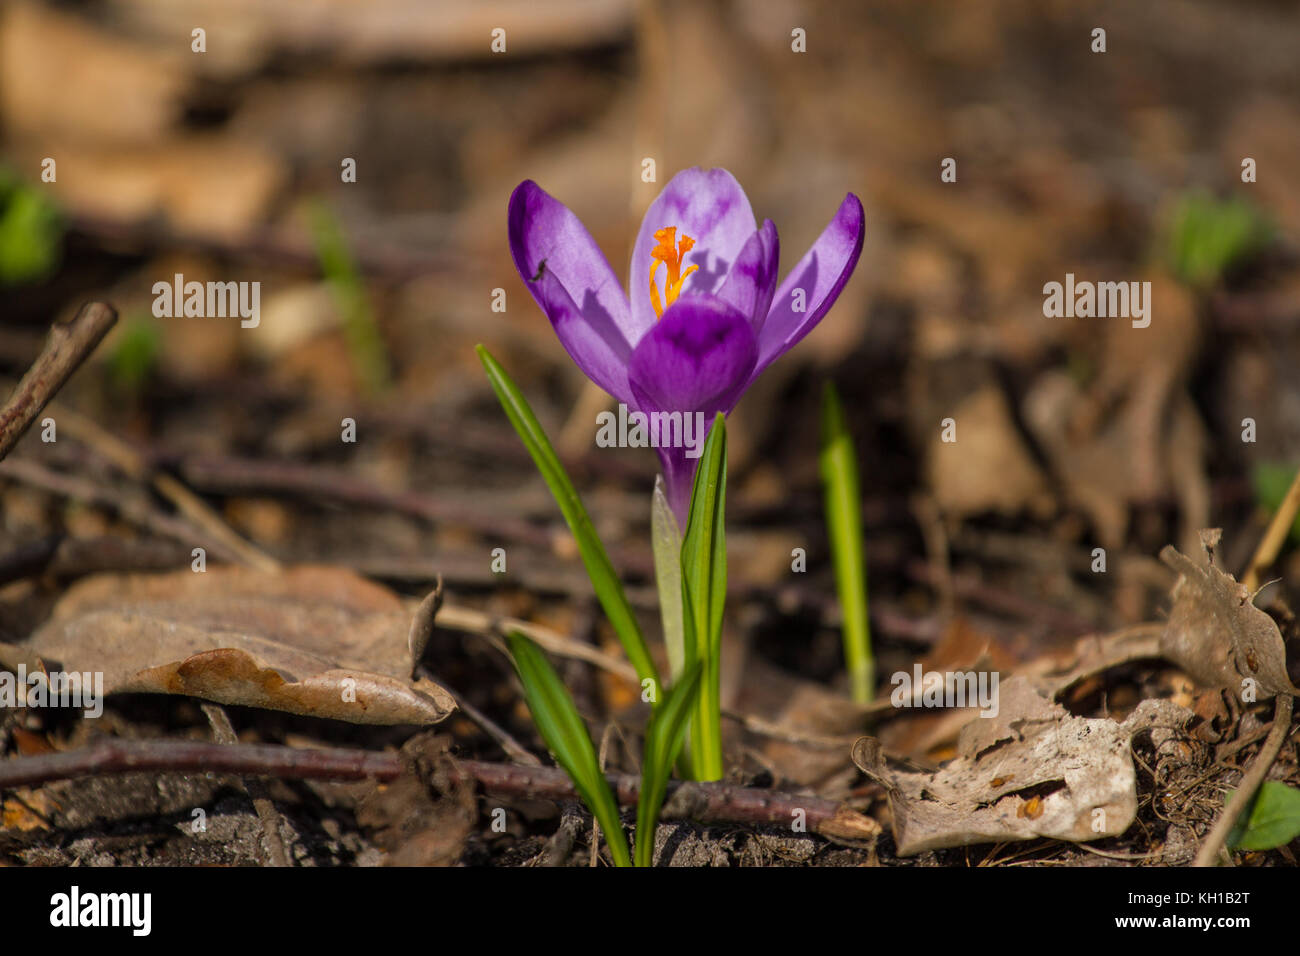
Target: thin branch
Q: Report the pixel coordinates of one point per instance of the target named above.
(197, 511)
(131, 507)
(224, 733)
(184, 756)
(481, 623)
(705, 802)
(68, 345)
(1275, 536)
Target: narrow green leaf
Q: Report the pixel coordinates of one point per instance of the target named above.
(609, 590)
(565, 734)
(1272, 821)
(664, 737)
(666, 539)
(360, 330)
(704, 594)
(839, 471)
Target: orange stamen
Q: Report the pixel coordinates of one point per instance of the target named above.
(666, 254)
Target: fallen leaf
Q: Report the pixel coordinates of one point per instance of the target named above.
(1217, 635)
(25, 810)
(424, 817)
(1131, 434)
(1031, 771)
(798, 708)
(315, 641)
(989, 468)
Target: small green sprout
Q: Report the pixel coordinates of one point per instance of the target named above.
(839, 470)
(1208, 237)
(31, 232)
(365, 343)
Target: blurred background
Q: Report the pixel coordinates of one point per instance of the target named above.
(1073, 434)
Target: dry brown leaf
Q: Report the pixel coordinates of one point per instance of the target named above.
(25, 810)
(316, 641)
(1132, 434)
(798, 708)
(1218, 636)
(988, 468)
(199, 183)
(1031, 771)
(60, 76)
(424, 817)
(1091, 655)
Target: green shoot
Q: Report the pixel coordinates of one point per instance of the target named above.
(365, 344)
(1270, 482)
(609, 590)
(135, 357)
(566, 736)
(664, 737)
(31, 232)
(839, 470)
(704, 593)
(1208, 236)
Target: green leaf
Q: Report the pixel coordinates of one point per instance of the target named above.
(666, 540)
(565, 734)
(1270, 482)
(360, 331)
(704, 595)
(839, 471)
(136, 355)
(664, 737)
(31, 232)
(1272, 821)
(609, 591)
(1209, 236)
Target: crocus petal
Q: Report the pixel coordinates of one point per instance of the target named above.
(697, 358)
(602, 357)
(568, 275)
(750, 283)
(709, 206)
(821, 275)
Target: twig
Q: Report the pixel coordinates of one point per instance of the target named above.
(30, 559)
(224, 733)
(82, 489)
(194, 508)
(227, 475)
(184, 756)
(1278, 529)
(705, 802)
(64, 557)
(1245, 793)
(513, 748)
(65, 349)
(470, 621)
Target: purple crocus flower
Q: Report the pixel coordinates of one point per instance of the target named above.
(718, 322)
